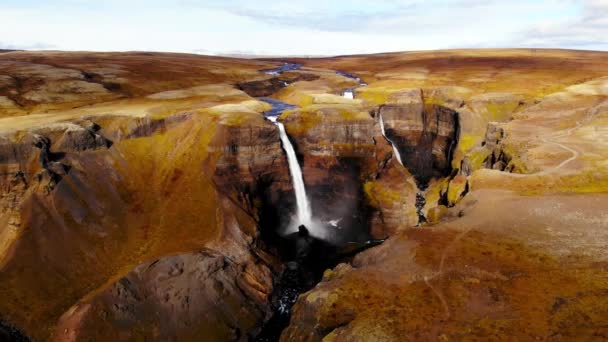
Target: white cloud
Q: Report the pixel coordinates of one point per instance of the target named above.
(304, 27)
(588, 30)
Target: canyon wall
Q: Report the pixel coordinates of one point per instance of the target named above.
(426, 135)
(113, 211)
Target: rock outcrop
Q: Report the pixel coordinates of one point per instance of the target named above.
(267, 87)
(262, 88)
(492, 154)
(426, 135)
(499, 158)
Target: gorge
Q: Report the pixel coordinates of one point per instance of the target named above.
(407, 196)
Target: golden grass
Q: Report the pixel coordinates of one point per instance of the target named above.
(489, 287)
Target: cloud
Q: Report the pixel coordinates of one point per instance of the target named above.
(301, 27)
(588, 30)
(334, 16)
(33, 46)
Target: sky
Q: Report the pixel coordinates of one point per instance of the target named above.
(301, 27)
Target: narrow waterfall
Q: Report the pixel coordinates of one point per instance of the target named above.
(395, 150)
(304, 212)
(420, 199)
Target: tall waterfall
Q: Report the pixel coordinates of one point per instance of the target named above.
(304, 212)
(395, 150)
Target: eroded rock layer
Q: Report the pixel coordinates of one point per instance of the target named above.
(425, 135)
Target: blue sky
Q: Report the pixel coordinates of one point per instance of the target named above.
(301, 27)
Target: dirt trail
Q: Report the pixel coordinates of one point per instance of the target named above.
(591, 113)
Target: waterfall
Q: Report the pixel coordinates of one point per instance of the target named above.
(420, 199)
(304, 212)
(349, 94)
(395, 150)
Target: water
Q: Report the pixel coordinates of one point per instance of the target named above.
(395, 150)
(304, 212)
(278, 108)
(420, 203)
(350, 93)
(285, 67)
(10, 333)
(349, 75)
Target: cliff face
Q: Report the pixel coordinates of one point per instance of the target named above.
(341, 148)
(59, 183)
(252, 168)
(33, 164)
(426, 135)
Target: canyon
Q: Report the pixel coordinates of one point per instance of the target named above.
(457, 194)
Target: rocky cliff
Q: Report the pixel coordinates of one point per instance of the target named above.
(60, 183)
(426, 135)
(346, 169)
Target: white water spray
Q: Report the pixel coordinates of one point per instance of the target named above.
(349, 94)
(395, 150)
(304, 212)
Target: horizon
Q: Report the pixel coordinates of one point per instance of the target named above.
(286, 57)
(301, 28)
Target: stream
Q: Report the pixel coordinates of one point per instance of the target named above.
(284, 68)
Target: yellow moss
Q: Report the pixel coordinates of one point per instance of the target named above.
(331, 337)
(433, 193)
(477, 157)
(498, 111)
(299, 121)
(468, 141)
(456, 188)
(515, 164)
(432, 100)
(375, 95)
(435, 214)
(379, 194)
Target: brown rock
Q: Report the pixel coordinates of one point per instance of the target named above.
(262, 88)
(426, 137)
